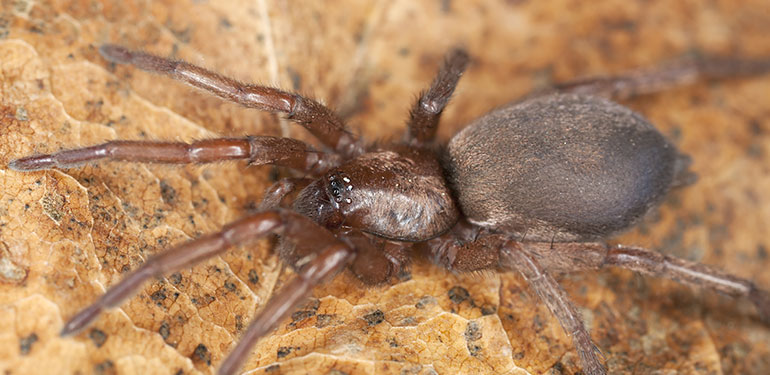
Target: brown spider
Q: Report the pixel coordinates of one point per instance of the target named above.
(530, 187)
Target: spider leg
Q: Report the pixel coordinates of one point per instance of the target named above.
(691, 273)
(276, 192)
(468, 248)
(286, 300)
(514, 256)
(571, 257)
(258, 150)
(377, 260)
(287, 223)
(679, 72)
(465, 248)
(425, 114)
(322, 122)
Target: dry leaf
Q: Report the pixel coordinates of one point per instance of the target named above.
(66, 235)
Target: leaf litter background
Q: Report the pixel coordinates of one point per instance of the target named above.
(66, 235)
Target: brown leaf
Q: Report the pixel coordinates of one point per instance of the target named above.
(66, 235)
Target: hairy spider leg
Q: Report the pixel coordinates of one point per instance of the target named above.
(327, 263)
(514, 256)
(283, 187)
(331, 256)
(259, 150)
(321, 121)
(680, 72)
(377, 261)
(573, 257)
(466, 249)
(426, 112)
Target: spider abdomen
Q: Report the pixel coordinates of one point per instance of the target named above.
(560, 168)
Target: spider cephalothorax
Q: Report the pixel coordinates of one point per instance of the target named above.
(524, 188)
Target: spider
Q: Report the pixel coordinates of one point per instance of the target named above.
(533, 187)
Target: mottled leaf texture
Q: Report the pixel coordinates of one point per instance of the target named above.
(65, 235)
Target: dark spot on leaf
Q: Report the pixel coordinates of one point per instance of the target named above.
(446, 6)
(25, 344)
(164, 330)
(537, 322)
(323, 320)
(488, 309)
(158, 296)
(755, 127)
(472, 332)
(474, 349)
(167, 192)
(283, 351)
(755, 150)
(424, 301)
(253, 277)
(105, 368)
(374, 318)
(97, 336)
(558, 368)
(302, 315)
(313, 304)
(272, 368)
(296, 79)
(182, 35)
(202, 354)
(175, 278)
(239, 323)
(229, 285)
(458, 294)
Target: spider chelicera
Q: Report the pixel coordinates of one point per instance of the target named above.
(532, 187)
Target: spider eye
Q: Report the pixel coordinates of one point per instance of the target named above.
(336, 190)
